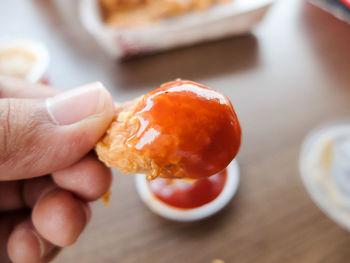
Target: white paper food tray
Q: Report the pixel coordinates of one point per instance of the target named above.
(222, 20)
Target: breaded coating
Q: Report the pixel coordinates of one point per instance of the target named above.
(137, 12)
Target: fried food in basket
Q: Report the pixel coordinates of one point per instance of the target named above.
(180, 130)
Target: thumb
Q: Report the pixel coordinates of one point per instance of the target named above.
(39, 137)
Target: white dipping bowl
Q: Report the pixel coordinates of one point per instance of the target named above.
(323, 189)
(35, 48)
(193, 214)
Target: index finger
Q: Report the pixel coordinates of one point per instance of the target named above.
(17, 88)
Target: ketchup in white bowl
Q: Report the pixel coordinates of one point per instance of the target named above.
(189, 200)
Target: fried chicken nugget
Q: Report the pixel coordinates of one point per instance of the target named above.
(180, 130)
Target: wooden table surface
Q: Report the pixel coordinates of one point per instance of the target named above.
(291, 75)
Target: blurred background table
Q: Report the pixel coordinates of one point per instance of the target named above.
(291, 75)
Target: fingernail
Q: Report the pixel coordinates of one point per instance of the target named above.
(88, 212)
(41, 244)
(77, 104)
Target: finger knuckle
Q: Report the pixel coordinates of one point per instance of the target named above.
(16, 131)
(5, 129)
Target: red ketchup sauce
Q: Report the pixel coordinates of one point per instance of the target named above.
(187, 195)
(188, 129)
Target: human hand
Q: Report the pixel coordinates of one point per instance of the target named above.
(48, 173)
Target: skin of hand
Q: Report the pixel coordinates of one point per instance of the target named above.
(48, 173)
